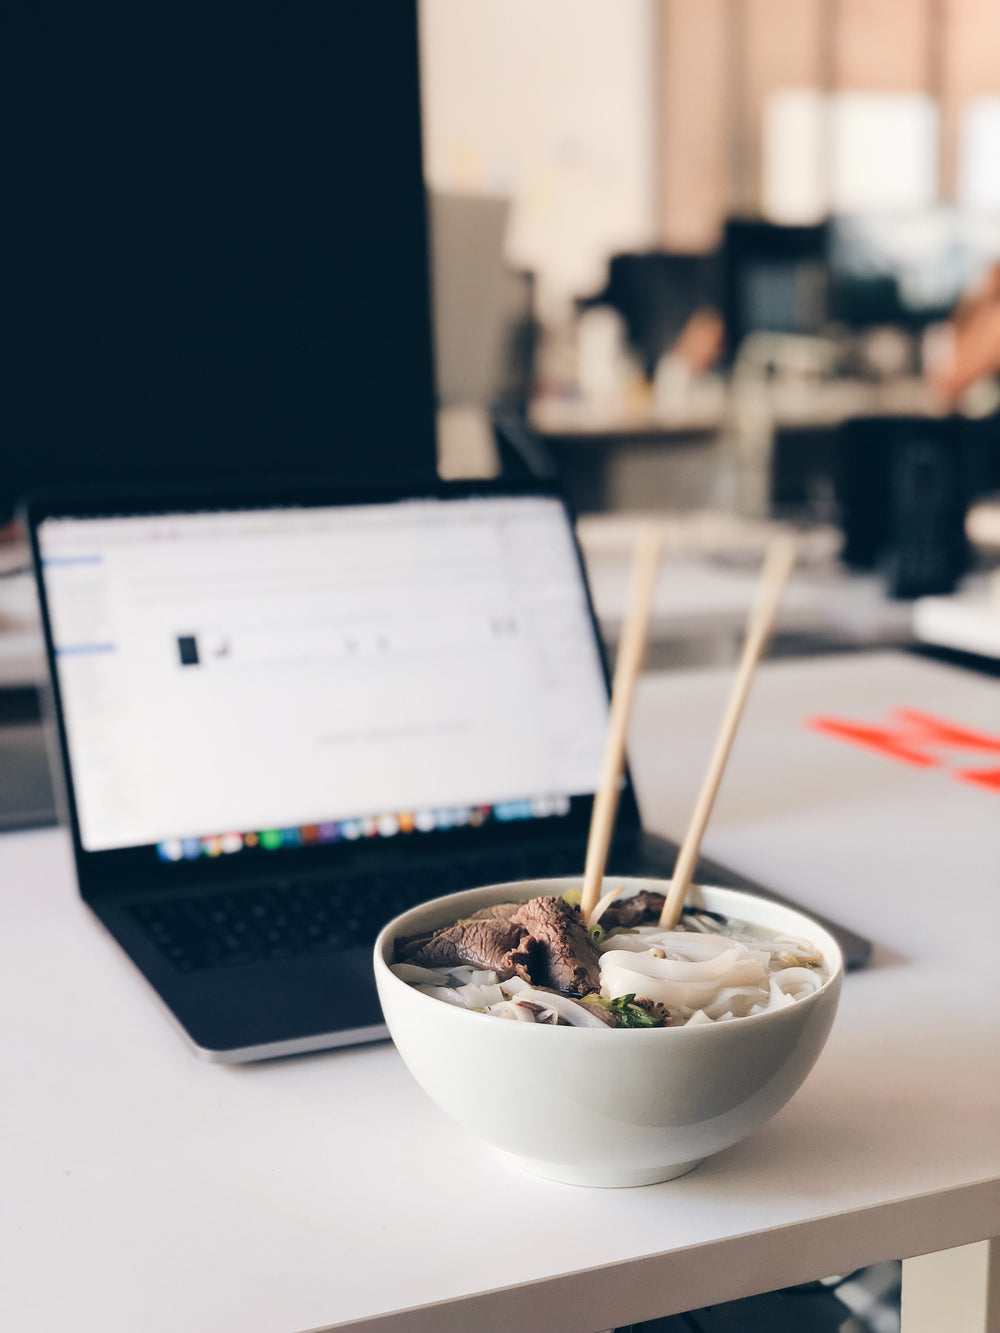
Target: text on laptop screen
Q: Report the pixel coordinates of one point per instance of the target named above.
(322, 667)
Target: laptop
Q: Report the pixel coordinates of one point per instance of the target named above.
(284, 718)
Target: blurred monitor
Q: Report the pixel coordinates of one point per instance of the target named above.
(216, 256)
(656, 293)
(908, 269)
(774, 277)
(904, 485)
(978, 185)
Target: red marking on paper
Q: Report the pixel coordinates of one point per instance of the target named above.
(933, 730)
(892, 744)
(982, 777)
(912, 737)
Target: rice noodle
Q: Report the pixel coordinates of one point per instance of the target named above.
(679, 943)
(797, 981)
(713, 977)
(679, 969)
(514, 986)
(446, 993)
(465, 975)
(480, 997)
(570, 1011)
(469, 996)
(779, 998)
(519, 1013)
(737, 999)
(419, 976)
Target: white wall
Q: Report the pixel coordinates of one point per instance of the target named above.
(552, 103)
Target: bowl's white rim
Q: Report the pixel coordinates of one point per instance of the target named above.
(833, 980)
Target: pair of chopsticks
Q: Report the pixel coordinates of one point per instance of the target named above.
(778, 563)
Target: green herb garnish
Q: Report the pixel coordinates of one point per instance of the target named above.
(628, 1014)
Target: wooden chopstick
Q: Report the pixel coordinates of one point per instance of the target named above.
(778, 564)
(631, 651)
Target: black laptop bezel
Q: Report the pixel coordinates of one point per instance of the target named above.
(127, 871)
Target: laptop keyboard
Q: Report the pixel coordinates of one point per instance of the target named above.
(283, 919)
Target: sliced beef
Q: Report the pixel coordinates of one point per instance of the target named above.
(643, 909)
(484, 942)
(556, 951)
(499, 912)
(655, 1010)
(542, 940)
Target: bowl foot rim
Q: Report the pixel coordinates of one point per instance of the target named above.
(600, 1177)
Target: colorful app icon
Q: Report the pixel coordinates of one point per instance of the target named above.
(211, 846)
(369, 826)
(171, 850)
(310, 833)
(423, 820)
(271, 839)
(231, 842)
(291, 837)
(476, 817)
(406, 822)
(328, 832)
(388, 826)
(444, 818)
(542, 807)
(460, 816)
(191, 848)
(251, 839)
(560, 805)
(350, 829)
(510, 810)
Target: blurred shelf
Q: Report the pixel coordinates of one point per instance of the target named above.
(791, 403)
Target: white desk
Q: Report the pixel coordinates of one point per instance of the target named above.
(140, 1189)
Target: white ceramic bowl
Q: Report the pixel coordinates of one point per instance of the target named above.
(607, 1106)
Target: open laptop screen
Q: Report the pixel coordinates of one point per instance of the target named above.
(263, 679)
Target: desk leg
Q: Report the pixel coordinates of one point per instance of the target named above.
(953, 1291)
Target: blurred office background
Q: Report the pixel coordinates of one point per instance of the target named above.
(699, 259)
(728, 228)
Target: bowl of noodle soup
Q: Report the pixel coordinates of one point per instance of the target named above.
(743, 1012)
